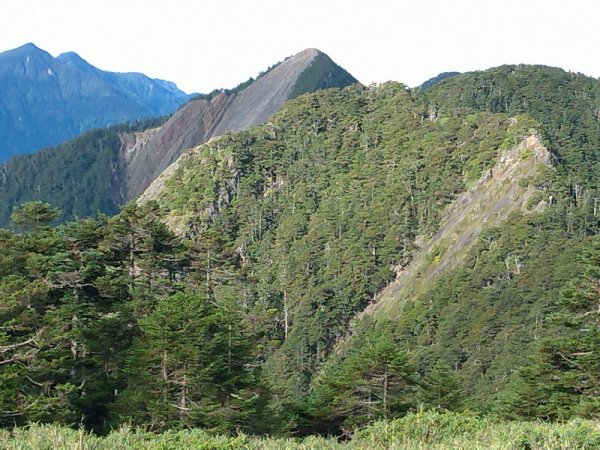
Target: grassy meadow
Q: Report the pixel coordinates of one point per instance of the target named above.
(420, 430)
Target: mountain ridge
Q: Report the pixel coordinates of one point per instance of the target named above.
(323, 204)
(49, 100)
(231, 111)
(130, 166)
(235, 293)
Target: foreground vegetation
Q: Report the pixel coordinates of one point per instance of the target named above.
(422, 430)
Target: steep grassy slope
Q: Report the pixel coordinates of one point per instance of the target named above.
(321, 73)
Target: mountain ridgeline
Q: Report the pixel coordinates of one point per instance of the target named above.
(367, 252)
(123, 160)
(437, 79)
(46, 101)
(234, 110)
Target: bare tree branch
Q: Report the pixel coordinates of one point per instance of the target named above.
(8, 348)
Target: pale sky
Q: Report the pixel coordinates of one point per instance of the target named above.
(204, 44)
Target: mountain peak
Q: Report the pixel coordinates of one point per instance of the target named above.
(80, 96)
(29, 46)
(310, 52)
(252, 103)
(75, 60)
(29, 49)
(70, 56)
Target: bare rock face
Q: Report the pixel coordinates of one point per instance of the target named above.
(202, 119)
(264, 97)
(191, 125)
(134, 142)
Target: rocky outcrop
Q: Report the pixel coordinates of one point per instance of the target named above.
(135, 141)
(264, 97)
(191, 125)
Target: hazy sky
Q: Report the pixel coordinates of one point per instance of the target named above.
(206, 44)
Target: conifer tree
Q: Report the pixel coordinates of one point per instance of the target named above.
(188, 367)
(563, 379)
(441, 388)
(32, 214)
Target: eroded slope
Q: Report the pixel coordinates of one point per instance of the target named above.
(501, 191)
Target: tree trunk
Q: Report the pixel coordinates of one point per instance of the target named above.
(385, 393)
(183, 401)
(208, 281)
(163, 370)
(229, 350)
(285, 313)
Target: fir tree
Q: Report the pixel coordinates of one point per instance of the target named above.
(441, 388)
(563, 379)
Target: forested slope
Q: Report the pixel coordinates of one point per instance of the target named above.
(247, 288)
(84, 176)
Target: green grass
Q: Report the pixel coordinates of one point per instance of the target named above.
(420, 430)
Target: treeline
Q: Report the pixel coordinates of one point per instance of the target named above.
(99, 327)
(113, 321)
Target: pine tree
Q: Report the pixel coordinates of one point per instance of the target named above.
(188, 368)
(32, 214)
(563, 380)
(441, 388)
(374, 382)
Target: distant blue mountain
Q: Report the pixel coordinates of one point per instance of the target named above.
(45, 100)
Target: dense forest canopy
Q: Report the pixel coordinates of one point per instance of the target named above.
(82, 176)
(238, 296)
